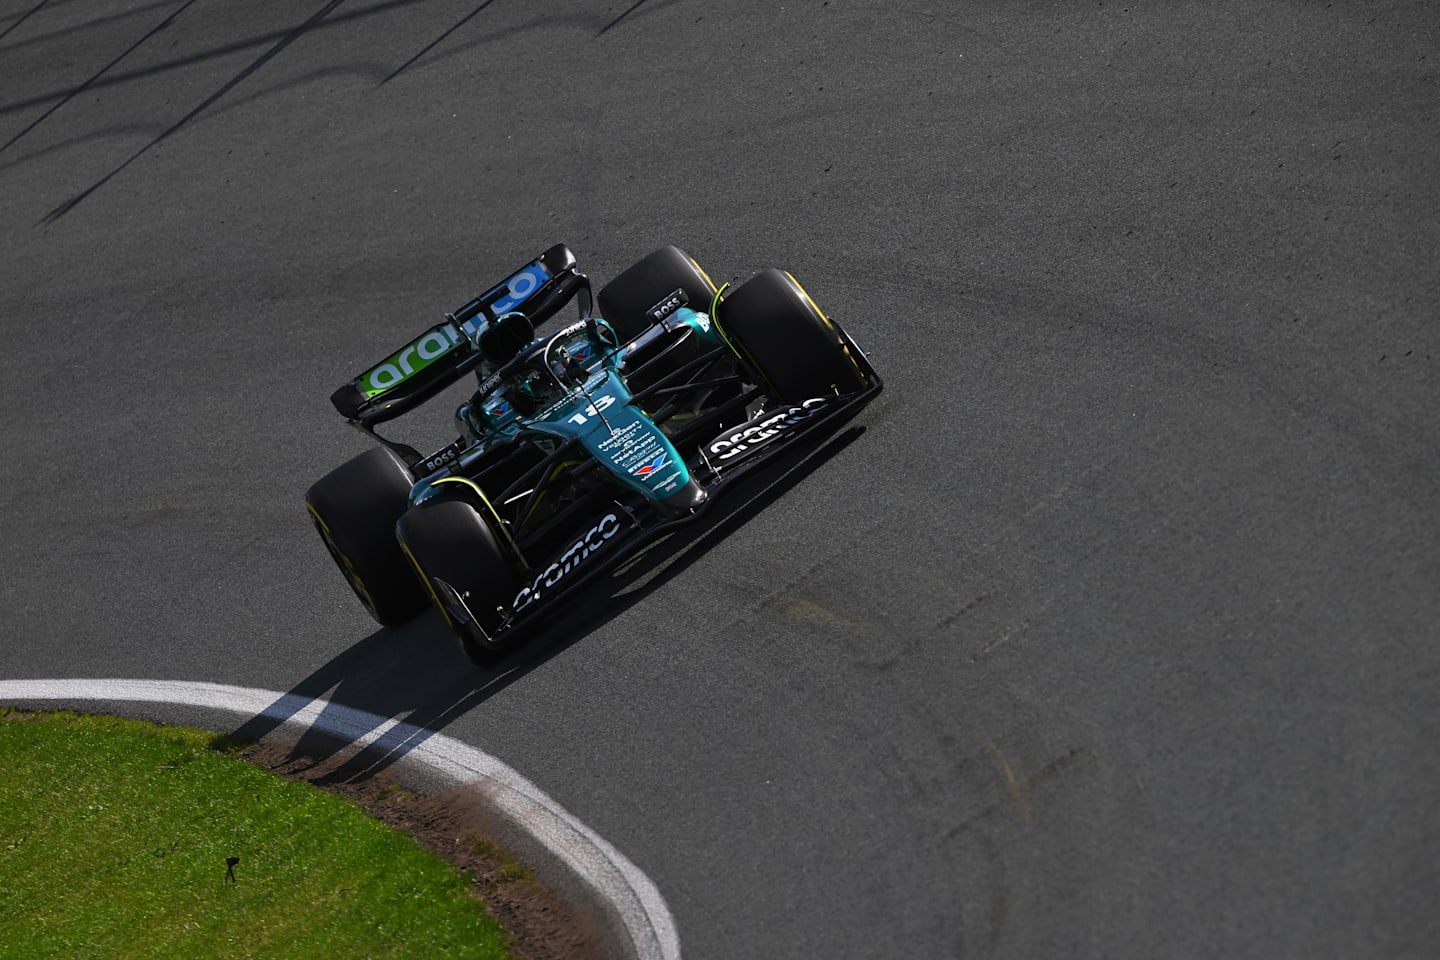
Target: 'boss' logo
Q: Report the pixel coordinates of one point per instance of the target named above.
(669, 305)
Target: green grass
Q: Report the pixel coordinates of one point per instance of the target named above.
(114, 836)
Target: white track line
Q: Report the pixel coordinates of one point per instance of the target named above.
(612, 878)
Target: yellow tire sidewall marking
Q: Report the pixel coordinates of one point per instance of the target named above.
(429, 587)
(821, 313)
(354, 577)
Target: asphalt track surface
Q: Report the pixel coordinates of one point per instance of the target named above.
(1109, 630)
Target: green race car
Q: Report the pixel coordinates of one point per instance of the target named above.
(577, 447)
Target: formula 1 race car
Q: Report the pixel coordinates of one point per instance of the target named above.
(577, 447)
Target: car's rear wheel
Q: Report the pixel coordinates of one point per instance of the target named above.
(354, 508)
(626, 300)
(466, 573)
(782, 335)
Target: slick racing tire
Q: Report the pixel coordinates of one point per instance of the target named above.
(781, 334)
(354, 508)
(466, 573)
(626, 300)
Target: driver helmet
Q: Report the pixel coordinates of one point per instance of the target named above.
(534, 385)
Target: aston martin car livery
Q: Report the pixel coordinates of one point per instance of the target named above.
(577, 446)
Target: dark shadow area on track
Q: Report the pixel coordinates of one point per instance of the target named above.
(105, 133)
(56, 4)
(24, 16)
(543, 22)
(436, 42)
(169, 19)
(359, 70)
(628, 11)
(631, 9)
(535, 23)
(393, 672)
(260, 61)
(204, 55)
(79, 27)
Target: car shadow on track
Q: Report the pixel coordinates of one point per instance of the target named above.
(393, 690)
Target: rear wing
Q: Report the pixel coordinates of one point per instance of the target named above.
(441, 355)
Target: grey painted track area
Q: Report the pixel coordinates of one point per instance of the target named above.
(1110, 630)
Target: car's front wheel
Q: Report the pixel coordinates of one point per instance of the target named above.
(457, 555)
(781, 334)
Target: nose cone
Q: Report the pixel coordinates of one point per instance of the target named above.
(683, 501)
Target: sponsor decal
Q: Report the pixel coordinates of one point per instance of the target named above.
(488, 384)
(639, 450)
(519, 288)
(409, 360)
(623, 437)
(441, 457)
(593, 540)
(508, 295)
(640, 454)
(673, 301)
(644, 471)
(764, 428)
